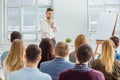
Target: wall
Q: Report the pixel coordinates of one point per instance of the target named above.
(70, 15)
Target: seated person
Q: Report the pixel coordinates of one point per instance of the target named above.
(116, 41)
(107, 63)
(82, 71)
(14, 35)
(55, 66)
(80, 39)
(30, 71)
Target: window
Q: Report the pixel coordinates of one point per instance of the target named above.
(95, 7)
(24, 16)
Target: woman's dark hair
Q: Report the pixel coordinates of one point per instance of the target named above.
(47, 50)
(116, 41)
(15, 35)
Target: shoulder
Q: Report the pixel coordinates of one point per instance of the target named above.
(45, 75)
(96, 63)
(65, 72)
(4, 53)
(15, 74)
(117, 63)
(97, 73)
(46, 63)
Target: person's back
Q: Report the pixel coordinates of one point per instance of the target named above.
(114, 76)
(107, 63)
(116, 41)
(14, 35)
(29, 74)
(81, 70)
(55, 66)
(30, 71)
(76, 75)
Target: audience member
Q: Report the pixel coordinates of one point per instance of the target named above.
(107, 63)
(14, 35)
(47, 50)
(82, 71)
(116, 41)
(55, 66)
(30, 71)
(14, 60)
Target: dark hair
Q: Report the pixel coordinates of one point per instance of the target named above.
(84, 53)
(47, 50)
(49, 9)
(32, 53)
(116, 41)
(15, 35)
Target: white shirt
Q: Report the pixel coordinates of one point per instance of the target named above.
(48, 28)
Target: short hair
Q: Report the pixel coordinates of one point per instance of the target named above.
(49, 9)
(61, 49)
(32, 53)
(84, 53)
(15, 35)
(115, 40)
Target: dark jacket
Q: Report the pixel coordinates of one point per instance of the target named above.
(115, 75)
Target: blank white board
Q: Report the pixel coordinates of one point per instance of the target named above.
(105, 25)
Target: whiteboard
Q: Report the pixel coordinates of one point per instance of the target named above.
(105, 25)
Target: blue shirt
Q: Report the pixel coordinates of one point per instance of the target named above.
(3, 56)
(29, 74)
(55, 66)
(117, 55)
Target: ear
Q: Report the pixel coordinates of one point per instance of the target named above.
(39, 58)
(24, 56)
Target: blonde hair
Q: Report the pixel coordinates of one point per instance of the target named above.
(108, 53)
(80, 39)
(14, 60)
(61, 49)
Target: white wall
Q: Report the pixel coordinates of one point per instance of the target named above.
(70, 15)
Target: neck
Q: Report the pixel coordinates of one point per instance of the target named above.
(59, 57)
(77, 62)
(31, 65)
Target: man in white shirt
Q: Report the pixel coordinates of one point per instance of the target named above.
(48, 26)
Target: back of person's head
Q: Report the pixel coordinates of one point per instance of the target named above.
(33, 53)
(15, 35)
(14, 60)
(108, 53)
(49, 9)
(61, 49)
(84, 53)
(80, 39)
(47, 49)
(116, 41)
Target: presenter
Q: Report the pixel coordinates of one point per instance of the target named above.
(48, 26)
